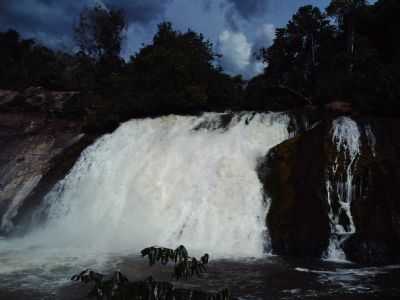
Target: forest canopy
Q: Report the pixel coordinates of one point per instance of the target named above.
(349, 52)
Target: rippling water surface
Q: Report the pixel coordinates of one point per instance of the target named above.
(267, 278)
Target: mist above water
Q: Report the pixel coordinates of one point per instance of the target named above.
(168, 181)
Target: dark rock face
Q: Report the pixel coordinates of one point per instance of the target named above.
(37, 149)
(376, 209)
(295, 173)
(293, 176)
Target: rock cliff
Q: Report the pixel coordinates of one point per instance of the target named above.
(329, 193)
(41, 136)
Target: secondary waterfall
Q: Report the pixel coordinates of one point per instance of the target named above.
(168, 181)
(339, 185)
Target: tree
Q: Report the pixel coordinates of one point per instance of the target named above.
(24, 62)
(173, 73)
(295, 58)
(344, 12)
(99, 32)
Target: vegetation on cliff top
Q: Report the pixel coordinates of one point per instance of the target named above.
(348, 53)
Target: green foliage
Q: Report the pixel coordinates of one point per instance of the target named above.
(118, 287)
(173, 73)
(99, 32)
(340, 9)
(356, 61)
(164, 255)
(298, 50)
(188, 267)
(24, 63)
(185, 266)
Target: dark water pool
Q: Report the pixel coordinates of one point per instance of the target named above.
(269, 278)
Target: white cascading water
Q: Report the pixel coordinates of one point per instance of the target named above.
(168, 181)
(346, 136)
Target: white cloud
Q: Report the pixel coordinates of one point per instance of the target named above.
(258, 68)
(266, 34)
(238, 52)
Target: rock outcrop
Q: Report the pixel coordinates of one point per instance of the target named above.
(298, 174)
(41, 136)
(376, 209)
(292, 175)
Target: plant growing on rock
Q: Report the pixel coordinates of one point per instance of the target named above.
(185, 266)
(164, 255)
(105, 287)
(188, 267)
(118, 287)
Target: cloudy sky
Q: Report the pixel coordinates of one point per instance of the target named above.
(237, 28)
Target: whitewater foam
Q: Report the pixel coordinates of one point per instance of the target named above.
(168, 181)
(346, 136)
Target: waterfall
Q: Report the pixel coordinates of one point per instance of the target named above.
(339, 185)
(168, 181)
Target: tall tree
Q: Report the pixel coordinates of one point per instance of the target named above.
(294, 58)
(173, 73)
(344, 12)
(99, 32)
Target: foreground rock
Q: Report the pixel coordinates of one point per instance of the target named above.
(311, 178)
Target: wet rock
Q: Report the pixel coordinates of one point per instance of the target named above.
(295, 176)
(376, 207)
(339, 107)
(292, 176)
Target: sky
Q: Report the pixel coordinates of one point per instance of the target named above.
(237, 28)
